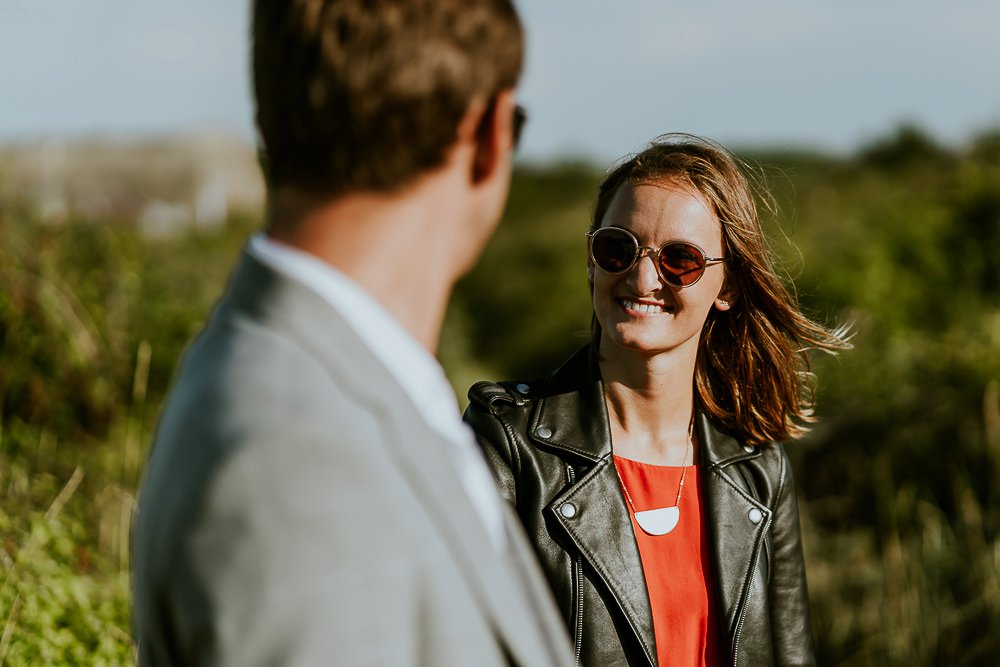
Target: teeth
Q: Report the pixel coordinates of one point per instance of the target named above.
(645, 308)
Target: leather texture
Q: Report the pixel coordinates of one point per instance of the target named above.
(549, 445)
(297, 510)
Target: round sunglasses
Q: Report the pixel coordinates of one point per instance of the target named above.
(615, 250)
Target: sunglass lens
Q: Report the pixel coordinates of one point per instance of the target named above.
(681, 263)
(613, 250)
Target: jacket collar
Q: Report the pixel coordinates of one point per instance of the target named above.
(572, 416)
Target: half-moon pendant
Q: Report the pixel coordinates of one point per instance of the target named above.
(659, 521)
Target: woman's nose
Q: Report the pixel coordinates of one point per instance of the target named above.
(644, 275)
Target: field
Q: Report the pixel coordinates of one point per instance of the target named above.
(899, 481)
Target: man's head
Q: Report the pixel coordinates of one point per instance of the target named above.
(365, 95)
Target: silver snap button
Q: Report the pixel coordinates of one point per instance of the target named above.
(522, 388)
(568, 510)
(755, 515)
(543, 432)
(748, 449)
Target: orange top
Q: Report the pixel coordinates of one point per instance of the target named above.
(677, 566)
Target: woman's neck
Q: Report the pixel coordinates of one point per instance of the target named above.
(650, 402)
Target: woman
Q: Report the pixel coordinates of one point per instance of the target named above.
(646, 469)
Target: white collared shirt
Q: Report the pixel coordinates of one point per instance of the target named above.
(410, 364)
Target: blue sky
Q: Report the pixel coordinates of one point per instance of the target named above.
(602, 77)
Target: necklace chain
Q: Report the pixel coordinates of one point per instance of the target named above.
(684, 467)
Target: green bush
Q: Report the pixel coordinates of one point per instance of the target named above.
(62, 603)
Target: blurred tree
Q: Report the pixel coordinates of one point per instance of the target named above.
(527, 301)
(907, 147)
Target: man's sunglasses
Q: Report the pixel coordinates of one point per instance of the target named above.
(615, 250)
(520, 118)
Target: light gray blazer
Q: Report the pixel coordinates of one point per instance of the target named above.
(297, 510)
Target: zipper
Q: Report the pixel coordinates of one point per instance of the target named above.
(578, 576)
(578, 566)
(739, 626)
(746, 604)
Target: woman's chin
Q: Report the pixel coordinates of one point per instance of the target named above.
(630, 342)
(627, 340)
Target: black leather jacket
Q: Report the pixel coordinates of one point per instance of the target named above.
(549, 445)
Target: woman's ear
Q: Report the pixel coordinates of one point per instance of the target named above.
(726, 298)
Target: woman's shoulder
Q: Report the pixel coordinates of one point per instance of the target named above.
(771, 472)
(503, 411)
(762, 463)
(506, 396)
(498, 412)
(774, 452)
(769, 456)
(497, 397)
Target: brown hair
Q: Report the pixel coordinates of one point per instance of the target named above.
(367, 94)
(752, 374)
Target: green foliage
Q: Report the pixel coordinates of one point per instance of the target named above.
(901, 477)
(93, 318)
(61, 605)
(527, 301)
(909, 146)
(899, 481)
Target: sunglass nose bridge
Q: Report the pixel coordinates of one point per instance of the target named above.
(647, 275)
(647, 251)
(642, 252)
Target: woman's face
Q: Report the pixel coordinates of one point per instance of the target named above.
(637, 310)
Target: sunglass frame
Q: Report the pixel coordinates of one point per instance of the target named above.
(641, 250)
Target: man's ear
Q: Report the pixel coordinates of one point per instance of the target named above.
(493, 135)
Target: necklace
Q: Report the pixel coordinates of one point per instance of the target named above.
(661, 520)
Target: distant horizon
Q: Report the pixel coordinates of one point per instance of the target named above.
(137, 137)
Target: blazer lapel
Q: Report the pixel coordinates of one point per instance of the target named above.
(422, 457)
(739, 522)
(537, 589)
(498, 580)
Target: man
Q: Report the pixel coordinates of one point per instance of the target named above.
(312, 497)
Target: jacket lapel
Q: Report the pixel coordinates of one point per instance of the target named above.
(737, 539)
(601, 529)
(572, 418)
(422, 458)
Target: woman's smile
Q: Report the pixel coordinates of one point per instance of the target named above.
(643, 307)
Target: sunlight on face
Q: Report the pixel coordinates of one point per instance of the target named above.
(638, 311)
